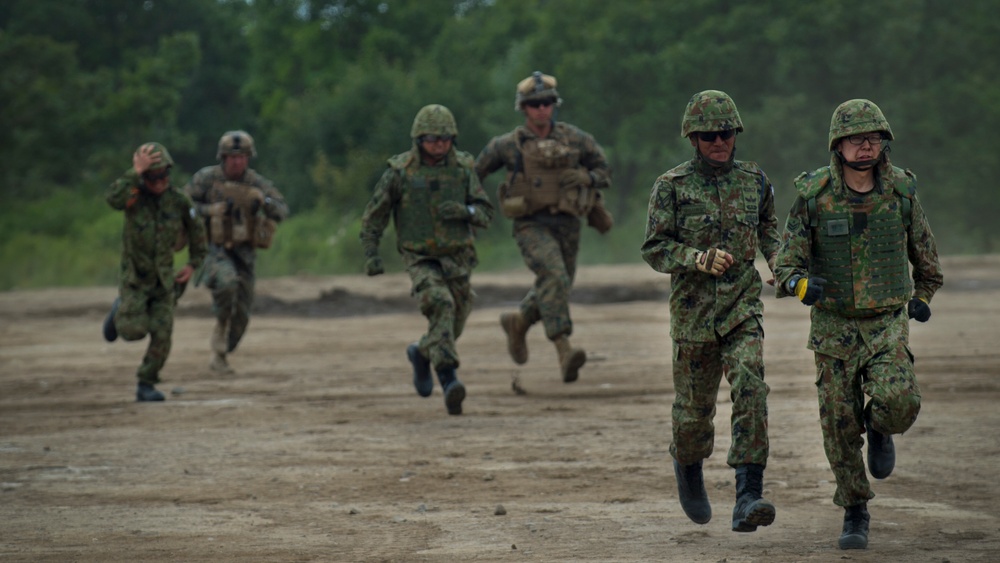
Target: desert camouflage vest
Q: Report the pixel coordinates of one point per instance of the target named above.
(860, 247)
(534, 186)
(418, 225)
(242, 223)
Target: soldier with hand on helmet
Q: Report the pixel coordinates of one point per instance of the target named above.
(555, 174)
(241, 209)
(708, 218)
(159, 220)
(435, 200)
(854, 229)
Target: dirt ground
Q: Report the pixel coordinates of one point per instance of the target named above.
(319, 449)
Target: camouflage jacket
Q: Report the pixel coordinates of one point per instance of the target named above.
(201, 185)
(153, 225)
(502, 151)
(392, 192)
(692, 208)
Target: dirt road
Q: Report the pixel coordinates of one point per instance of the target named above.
(318, 449)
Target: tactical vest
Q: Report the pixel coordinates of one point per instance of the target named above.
(419, 228)
(242, 223)
(534, 186)
(860, 248)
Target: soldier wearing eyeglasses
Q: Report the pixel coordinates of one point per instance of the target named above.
(708, 219)
(854, 230)
(159, 221)
(555, 177)
(434, 198)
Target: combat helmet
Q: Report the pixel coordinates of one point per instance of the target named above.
(538, 86)
(236, 142)
(166, 161)
(855, 117)
(434, 119)
(710, 110)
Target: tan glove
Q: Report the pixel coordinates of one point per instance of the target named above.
(574, 177)
(217, 209)
(713, 261)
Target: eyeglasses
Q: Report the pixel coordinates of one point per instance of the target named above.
(709, 136)
(156, 175)
(872, 138)
(540, 103)
(436, 138)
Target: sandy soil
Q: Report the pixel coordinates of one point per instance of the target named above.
(318, 449)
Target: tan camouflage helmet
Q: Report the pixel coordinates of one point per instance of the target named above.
(855, 117)
(710, 110)
(166, 161)
(236, 142)
(434, 119)
(538, 86)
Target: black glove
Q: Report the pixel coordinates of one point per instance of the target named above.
(918, 309)
(809, 290)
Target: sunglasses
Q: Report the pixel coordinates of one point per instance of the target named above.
(709, 136)
(540, 103)
(156, 175)
(436, 138)
(872, 138)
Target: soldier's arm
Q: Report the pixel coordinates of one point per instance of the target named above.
(662, 250)
(767, 224)
(593, 159)
(922, 250)
(795, 250)
(477, 199)
(197, 189)
(274, 203)
(197, 239)
(490, 159)
(124, 191)
(379, 211)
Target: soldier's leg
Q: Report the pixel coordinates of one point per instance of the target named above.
(223, 280)
(892, 385)
(743, 358)
(437, 304)
(461, 294)
(548, 299)
(838, 386)
(241, 307)
(132, 319)
(161, 326)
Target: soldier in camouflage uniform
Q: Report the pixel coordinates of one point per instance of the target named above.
(435, 201)
(241, 209)
(555, 174)
(708, 218)
(159, 220)
(852, 230)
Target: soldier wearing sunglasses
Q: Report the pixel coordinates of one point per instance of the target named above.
(555, 176)
(852, 234)
(708, 219)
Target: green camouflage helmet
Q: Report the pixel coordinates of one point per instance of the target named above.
(434, 119)
(236, 142)
(166, 161)
(855, 117)
(538, 86)
(711, 110)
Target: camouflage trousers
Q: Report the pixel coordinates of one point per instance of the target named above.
(447, 304)
(231, 280)
(147, 311)
(698, 368)
(884, 373)
(549, 245)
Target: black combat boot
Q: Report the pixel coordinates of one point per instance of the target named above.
(751, 510)
(691, 490)
(109, 328)
(881, 451)
(145, 392)
(855, 534)
(454, 391)
(421, 371)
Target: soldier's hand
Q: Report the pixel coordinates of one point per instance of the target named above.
(770, 266)
(575, 177)
(809, 290)
(918, 309)
(713, 261)
(144, 157)
(373, 266)
(185, 274)
(454, 211)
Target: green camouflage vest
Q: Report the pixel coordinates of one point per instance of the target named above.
(860, 248)
(424, 188)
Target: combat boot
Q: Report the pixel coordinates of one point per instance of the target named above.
(691, 491)
(516, 327)
(570, 359)
(220, 365)
(454, 391)
(109, 328)
(421, 371)
(220, 338)
(881, 451)
(751, 510)
(855, 534)
(145, 392)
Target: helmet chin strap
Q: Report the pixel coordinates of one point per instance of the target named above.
(860, 165)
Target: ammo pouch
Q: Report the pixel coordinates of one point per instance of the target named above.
(537, 188)
(242, 223)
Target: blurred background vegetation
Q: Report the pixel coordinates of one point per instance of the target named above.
(329, 90)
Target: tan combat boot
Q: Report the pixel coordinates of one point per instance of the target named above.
(516, 328)
(570, 359)
(219, 343)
